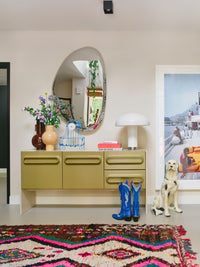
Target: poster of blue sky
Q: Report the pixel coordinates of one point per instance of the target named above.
(181, 92)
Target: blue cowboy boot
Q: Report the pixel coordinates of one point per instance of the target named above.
(136, 205)
(125, 196)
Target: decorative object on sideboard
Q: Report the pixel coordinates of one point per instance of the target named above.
(132, 120)
(112, 146)
(49, 137)
(49, 114)
(37, 138)
(72, 140)
(49, 111)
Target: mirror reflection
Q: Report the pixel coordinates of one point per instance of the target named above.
(80, 82)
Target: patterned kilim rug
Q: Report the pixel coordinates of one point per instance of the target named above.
(95, 245)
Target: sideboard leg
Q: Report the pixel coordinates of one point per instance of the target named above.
(27, 200)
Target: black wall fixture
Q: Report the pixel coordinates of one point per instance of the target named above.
(108, 7)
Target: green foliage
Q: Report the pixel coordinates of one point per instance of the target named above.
(49, 111)
(94, 68)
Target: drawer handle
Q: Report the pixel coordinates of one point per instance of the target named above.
(109, 179)
(124, 160)
(82, 161)
(41, 160)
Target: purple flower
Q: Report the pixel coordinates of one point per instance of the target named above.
(47, 110)
(42, 99)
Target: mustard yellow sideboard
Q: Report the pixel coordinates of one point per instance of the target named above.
(102, 170)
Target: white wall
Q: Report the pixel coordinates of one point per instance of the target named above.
(79, 99)
(64, 89)
(130, 59)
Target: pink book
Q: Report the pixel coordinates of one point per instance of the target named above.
(109, 145)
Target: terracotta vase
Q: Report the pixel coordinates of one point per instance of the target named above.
(49, 137)
(37, 138)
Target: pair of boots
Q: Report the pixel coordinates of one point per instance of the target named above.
(125, 197)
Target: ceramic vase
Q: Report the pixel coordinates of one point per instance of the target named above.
(49, 137)
(37, 138)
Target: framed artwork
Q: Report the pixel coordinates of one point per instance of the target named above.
(178, 123)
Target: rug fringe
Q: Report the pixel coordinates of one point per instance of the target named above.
(190, 255)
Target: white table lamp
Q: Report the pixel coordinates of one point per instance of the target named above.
(132, 120)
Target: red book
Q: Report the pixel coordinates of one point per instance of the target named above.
(109, 145)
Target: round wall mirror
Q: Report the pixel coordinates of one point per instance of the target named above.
(80, 84)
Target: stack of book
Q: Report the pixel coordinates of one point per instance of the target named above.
(110, 146)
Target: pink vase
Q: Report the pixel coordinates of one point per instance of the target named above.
(49, 137)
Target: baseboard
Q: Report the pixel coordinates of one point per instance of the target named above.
(150, 200)
(184, 197)
(14, 200)
(189, 197)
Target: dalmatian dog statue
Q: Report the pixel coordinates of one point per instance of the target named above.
(167, 198)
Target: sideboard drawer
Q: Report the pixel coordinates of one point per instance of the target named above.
(125, 160)
(82, 170)
(113, 178)
(41, 170)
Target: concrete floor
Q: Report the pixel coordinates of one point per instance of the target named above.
(190, 218)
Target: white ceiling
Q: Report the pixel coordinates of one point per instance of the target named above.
(89, 15)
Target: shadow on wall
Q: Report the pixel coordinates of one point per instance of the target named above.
(123, 137)
(143, 137)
